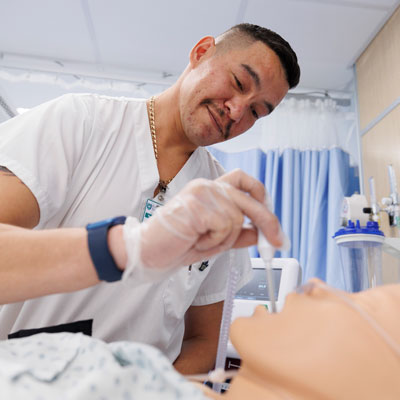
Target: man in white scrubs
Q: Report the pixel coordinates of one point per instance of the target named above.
(83, 158)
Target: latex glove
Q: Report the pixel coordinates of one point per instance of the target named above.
(202, 220)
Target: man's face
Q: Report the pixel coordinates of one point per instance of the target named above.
(224, 94)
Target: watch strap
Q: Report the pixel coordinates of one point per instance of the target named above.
(102, 259)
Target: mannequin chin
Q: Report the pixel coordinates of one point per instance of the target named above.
(319, 347)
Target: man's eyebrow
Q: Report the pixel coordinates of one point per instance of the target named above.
(253, 74)
(256, 80)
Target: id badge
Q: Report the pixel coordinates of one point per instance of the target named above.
(149, 209)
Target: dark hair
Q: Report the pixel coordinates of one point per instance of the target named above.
(276, 43)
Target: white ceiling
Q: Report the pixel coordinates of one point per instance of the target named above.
(149, 41)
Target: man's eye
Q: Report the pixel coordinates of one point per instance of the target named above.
(254, 112)
(239, 84)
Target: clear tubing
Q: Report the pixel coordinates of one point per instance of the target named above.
(226, 320)
(271, 286)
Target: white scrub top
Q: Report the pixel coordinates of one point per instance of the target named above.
(89, 157)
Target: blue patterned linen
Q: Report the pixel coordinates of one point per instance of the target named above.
(74, 366)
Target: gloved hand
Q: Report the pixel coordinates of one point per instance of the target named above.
(203, 219)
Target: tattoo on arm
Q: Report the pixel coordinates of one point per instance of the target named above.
(6, 171)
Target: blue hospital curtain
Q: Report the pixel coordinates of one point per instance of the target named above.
(307, 188)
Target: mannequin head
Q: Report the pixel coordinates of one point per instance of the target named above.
(320, 346)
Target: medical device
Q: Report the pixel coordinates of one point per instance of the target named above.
(392, 203)
(267, 252)
(360, 249)
(356, 208)
(375, 208)
(226, 321)
(286, 273)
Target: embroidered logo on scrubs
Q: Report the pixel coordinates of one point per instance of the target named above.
(203, 266)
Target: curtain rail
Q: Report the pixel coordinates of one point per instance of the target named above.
(344, 102)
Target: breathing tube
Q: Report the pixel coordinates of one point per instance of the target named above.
(226, 321)
(219, 375)
(267, 252)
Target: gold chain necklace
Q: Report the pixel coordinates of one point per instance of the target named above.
(163, 185)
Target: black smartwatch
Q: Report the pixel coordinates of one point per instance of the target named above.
(102, 259)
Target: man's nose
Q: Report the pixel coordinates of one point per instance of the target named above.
(237, 107)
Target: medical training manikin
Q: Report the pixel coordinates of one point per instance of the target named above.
(324, 344)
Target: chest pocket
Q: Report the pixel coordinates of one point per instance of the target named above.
(182, 288)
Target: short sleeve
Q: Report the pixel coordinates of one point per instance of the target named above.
(43, 146)
(213, 289)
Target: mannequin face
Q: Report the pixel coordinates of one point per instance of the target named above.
(318, 341)
(289, 337)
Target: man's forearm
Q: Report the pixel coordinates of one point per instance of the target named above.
(37, 263)
(197, 356)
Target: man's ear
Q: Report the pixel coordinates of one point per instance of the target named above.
(203, 49)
